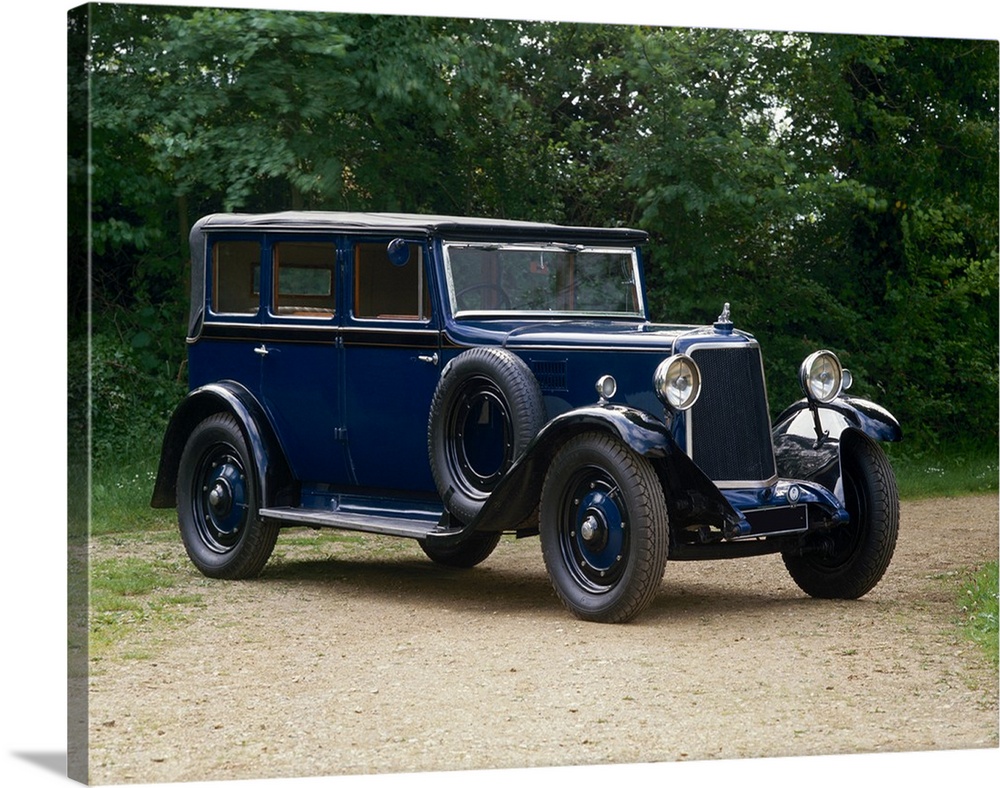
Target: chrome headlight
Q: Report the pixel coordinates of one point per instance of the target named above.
(677, 382)
(821, 376)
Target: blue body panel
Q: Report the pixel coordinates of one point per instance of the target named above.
(386, 406)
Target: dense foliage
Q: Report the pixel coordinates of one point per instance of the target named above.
(839, 191)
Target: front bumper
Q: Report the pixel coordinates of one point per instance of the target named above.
(789, 506)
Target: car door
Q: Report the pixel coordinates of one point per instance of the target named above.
(391, 362)
(301, 357)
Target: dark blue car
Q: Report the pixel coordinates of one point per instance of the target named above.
(451, 380)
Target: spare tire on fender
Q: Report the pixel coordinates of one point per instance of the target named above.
(486, 409)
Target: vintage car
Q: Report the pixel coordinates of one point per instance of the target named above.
(451, 380)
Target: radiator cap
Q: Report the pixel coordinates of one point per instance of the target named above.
(724, 324)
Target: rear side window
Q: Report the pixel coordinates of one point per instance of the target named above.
(235, 277)
(304, 279)
(389, 290)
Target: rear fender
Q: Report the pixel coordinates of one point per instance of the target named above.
(274, 477)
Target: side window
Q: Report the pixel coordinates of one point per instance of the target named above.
(304, 278)
(390, 290)
(235, 273)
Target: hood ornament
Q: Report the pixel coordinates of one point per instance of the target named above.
(724, 323)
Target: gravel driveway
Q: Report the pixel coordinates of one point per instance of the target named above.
(356, 654)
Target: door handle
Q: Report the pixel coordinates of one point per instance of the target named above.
(261, 351)
(431, 359)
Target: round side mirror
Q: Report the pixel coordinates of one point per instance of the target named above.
(398, 251)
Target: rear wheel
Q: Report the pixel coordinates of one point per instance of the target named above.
(217, 502)
(603, 527)
(855, 555)
(472, 550)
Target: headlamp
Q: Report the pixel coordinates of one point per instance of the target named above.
(821, 376)
(677, 382)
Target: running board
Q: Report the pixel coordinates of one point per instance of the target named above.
(409, 527)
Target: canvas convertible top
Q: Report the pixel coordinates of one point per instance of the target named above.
(450, 226)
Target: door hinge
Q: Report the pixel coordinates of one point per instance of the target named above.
(340, 433)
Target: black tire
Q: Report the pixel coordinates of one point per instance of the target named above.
(471, 551)
(859, 551)
(217, 502)
(604, 529)
(486, 409)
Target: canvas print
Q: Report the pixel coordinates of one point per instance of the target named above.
(458, 394)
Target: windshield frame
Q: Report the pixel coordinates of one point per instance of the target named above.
(632, 253)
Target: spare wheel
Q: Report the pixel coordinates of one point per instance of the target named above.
(486, 409)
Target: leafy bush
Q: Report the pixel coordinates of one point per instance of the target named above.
(129, 403)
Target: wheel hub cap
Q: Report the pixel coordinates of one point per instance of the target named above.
(224, 502)
(598, 540)
(220, 498)
(594, 530)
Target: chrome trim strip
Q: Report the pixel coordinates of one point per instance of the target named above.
(509, 314)
(259, 326)
(730, 484)
(608, 348)
(786, 532)
(422, 328)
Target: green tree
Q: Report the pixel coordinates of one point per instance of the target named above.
(839, 191)
(917, 257)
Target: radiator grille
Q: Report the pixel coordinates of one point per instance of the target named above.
(730, 428)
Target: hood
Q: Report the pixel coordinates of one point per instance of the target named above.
(588, 334)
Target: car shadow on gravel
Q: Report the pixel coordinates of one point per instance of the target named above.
(420, 581)
(520, 589)
(675, 604)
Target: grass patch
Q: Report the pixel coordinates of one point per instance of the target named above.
(120, 495)
(122, 578)
(125, 594)
(926, 475)
(978, 600)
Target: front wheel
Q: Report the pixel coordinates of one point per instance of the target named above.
(603, 528)
(217, 502)
(856, 554)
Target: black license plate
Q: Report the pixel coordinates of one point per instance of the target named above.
(777, 520)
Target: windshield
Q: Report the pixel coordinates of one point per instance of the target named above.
(555, 280)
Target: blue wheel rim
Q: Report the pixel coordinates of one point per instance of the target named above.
(594, 530)
(221, 500)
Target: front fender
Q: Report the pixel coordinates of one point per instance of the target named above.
(273, 473)
(841, 414)
(804, 451)
(688, 491)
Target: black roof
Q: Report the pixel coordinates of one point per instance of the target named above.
(458, 227)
